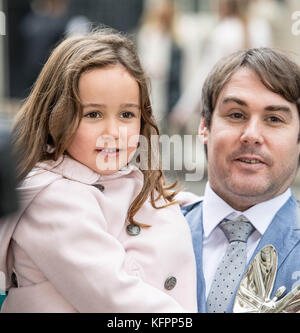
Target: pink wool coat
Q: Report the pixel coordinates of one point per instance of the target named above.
(70, 251)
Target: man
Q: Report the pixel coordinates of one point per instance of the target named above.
(250, 126)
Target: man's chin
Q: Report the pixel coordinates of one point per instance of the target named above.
(249, 189)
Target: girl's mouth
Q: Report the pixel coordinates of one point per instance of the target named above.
(108, 152)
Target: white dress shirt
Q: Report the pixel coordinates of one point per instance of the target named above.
(215, 243)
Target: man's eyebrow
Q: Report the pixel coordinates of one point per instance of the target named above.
(234, 100)
(277, 108)
(267, 108)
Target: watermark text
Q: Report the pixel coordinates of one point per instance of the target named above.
(180, 153)
(296, 25)
(2, 24)
(2, 284)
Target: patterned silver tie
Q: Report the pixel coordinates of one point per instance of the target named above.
(232, 266)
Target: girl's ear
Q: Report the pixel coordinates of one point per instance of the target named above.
(203, 131)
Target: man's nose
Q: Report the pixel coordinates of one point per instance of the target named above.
(252, 133)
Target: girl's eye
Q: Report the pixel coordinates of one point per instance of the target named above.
(93, 114)
(127, 115)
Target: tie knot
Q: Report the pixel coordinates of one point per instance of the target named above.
(238, 230)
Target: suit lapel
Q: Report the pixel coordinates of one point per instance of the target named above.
(283, 232)
(194, 218)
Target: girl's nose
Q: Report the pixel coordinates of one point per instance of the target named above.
(111, 128)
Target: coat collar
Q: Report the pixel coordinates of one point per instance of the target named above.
(71, 169)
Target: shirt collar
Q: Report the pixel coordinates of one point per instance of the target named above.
(215, 209)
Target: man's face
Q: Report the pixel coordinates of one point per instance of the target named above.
(252, 143)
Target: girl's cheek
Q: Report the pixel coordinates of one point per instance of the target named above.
(133, 141)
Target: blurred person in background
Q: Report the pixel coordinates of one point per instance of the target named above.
(8, 195)
(237, 29)
(161, 55)
(41, 29)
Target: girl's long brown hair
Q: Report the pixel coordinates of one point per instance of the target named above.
(52, 112)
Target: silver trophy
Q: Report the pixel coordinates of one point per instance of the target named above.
(254, 292)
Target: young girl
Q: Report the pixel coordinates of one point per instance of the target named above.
(94, 232)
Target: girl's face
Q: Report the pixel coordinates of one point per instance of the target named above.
(108, 133)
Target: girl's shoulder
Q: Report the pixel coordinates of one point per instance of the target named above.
(54, 181)
(46, 193)
(67, 168)
(47, 182)
(67, 179)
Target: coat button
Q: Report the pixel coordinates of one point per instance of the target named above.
(133, 229)
(170, 282)
(99, 187)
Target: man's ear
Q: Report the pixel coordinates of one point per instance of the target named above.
(203, 131)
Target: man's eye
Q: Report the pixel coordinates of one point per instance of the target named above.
(93, 114)
(127, 115)
(274, 119)
(236, 115)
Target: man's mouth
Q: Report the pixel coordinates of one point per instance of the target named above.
(250, 161)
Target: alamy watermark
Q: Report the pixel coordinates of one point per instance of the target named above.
(296, 25)
(296, 276)
(2, 24)
(2, 283)
(182, 153)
